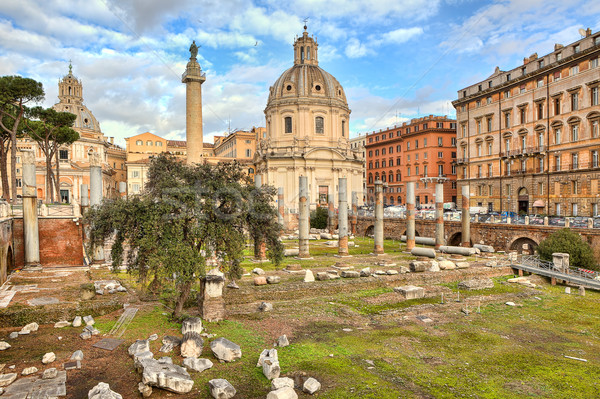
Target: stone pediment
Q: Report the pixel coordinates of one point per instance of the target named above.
(324, 154)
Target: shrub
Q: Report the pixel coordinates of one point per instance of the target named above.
(318, 218)
(566, 241)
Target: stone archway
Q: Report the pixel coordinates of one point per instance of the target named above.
(524, 245)
(370, 231)
(416, 233)
(455, 239)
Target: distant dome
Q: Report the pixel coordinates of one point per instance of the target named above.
(306, 80)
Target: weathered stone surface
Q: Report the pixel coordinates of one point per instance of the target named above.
(484, 248)
(153, 337)
(233, 285)
(291, 251)
(77, 355)
(283, 393)
(258, 271)
(4, 345)
(31, 327)
(143, 355)
(13, 335)
(410, 291)
(103, 391)
(7, 379)
(447, 265)
(191, 345)
(42, 301)
(282, 341)
(265, 307)
(273, 279)
(476, 284)
(350, 274)
(391, 272)
(260, 280)
(77, 321)
(145, 390)
(266, 354)
(419, 251)
(417, 266)
(221, 389)
(168, 343)
(311, 386)
(225, 350)
(366, 272)
(198, 365)
(49, 374)
(322, 276)
(75, 364)
(193, 324)
(309, 277)
(282, 382)
(271, 368)
(48, 358)
(86, 335)
(326, 236)
(462, 265)
(93, 330)
(434, 266)
(88, 320)
(166, 376)
(165, 360)
(62, 324)
(29, 370)
(510, 304)
(141, 345)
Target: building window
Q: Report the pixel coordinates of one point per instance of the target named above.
(424, 142)
(557, 136)
(594, 63)
(558, 209)
(478, 126)
(139, 142)
(575, 161)
(370, 153)
(376, 153)
(135, 173)
(507, 145)
(595, 159)
(63, 155)
(540, 83)
(149, 143)
(408, 171)
(574, 132)
(453, 141)
(523, 115)
(159, 143)
(343, 128)
(507, 77)
(416, 144)
(576, 48)
(540, 110)
(319, 125)
(383, 163)
(454, 170)
(383, 151)
(440, 170)
(490, 148)
(398, 161)
(288, 124)
(557, 163)
(489, 124)
(479, 150)
(490, 169)
(391, 150)
(417, 171)
(440, 154)
(507, 120)
(522, 89)
(248, 153)
(19, 183)
(440, 141)
(595, 128)
(488, 100)
(541, 63)
(558, 56)
(557, 106)
(594, 95)
(507, 94)
(407, 145)
(463, 129)
(574, 70)
(540, 139)
(574, 101)
(135, 188)
(478, 103)
(574, 211)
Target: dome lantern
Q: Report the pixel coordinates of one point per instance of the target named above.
(305, 50)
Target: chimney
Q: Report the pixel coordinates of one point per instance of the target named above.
(558, 46)
(588, 32)
(112, 140)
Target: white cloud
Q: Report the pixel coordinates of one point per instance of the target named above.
(356, 49)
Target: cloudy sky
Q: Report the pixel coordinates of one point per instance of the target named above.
(397, 59)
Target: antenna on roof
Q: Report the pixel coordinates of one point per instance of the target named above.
(582, 32)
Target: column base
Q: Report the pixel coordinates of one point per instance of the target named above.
(32, 267)
(212, 309)
(342, 256)
(299, 258)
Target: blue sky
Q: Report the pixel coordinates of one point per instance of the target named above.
(396, 59)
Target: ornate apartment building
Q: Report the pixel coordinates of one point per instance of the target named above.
(424, 148)
(528, 138)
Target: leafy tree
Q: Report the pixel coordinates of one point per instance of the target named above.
(185, 216)
(566, 241)
(318, 218)
(15, 93)
(263, 226)
(51, 129)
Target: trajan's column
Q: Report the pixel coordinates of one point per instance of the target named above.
(193, 79)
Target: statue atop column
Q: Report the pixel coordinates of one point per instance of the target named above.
(193, 50)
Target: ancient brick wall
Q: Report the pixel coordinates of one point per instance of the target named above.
(61, 242)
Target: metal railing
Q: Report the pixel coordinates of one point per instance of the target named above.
(572, 274)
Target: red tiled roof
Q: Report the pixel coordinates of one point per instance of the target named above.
(176, 143)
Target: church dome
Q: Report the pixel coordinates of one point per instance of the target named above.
(306, 80)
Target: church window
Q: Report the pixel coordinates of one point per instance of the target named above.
(343, 128)
(308, 54)
(288, 124)
(289, 87)
(63, 155)
(69, 90)
(318, 87)
(319, 124)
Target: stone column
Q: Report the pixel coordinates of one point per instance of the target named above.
(96, 195)
(354, 219)
(378, 245)
(303, 223)
(410, 216)
(31, 236)
(342, 217)
(210, 298)
(439, 215)
(193, 79)
(280, 207)
(466, 216)
(85, 199)
(330, 213)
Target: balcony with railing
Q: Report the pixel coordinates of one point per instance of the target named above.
(460, 161)
(521, 152)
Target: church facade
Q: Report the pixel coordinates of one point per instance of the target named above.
(307, 119)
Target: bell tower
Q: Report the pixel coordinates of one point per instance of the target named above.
(70, 89)
(193, 77)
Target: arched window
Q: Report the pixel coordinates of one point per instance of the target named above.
(288, 124)
(391, 200)
(391, 178)
(250, 171)
(383, 177)
(148, 143)
(319, 123)
(343, 128)
(370, 178)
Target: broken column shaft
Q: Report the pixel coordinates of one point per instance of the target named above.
(31, 236)
(410, 216)
(465, 217)
(303, 223)
(354, 219)
(439, 215)
(342, 217)
(96, 195)
(378, 230)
